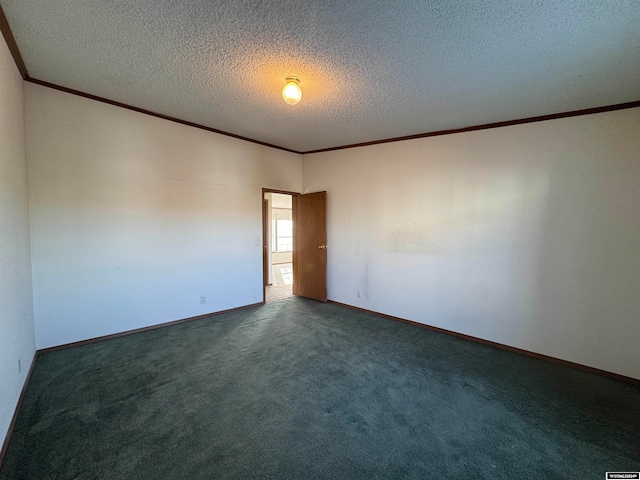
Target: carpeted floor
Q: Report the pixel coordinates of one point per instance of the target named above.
(298, 389)
(282, 286)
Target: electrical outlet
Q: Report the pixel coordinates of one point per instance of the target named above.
(359, 293)
(203, 300)
(19, 366)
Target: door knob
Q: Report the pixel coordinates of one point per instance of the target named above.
(322, 246)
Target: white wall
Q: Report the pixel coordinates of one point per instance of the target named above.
(281, 200)
(526, 235)
(17, 340)
(133, 218)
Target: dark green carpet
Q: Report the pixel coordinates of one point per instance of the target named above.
(300, 389)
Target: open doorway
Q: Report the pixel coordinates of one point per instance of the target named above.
(294, 236)
(278, 235)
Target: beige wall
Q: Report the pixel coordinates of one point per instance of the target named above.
(17, 341)
(526, 235)
(135, 218)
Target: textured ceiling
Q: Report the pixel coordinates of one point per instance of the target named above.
(369, 70)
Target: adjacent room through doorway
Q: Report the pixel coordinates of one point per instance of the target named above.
(279, 246)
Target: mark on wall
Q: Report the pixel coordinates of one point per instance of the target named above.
(412, 240)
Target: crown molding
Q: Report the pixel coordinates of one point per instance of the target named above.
(151, 113)
(487, 126)
(11, 43)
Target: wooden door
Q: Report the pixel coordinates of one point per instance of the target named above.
(310, 246)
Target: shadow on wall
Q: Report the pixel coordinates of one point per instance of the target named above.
(589, 258)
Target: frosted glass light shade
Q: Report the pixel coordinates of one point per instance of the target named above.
(291, 91)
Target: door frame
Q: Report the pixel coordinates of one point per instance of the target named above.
(264, 237)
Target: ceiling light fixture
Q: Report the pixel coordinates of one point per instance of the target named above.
(291, 91)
